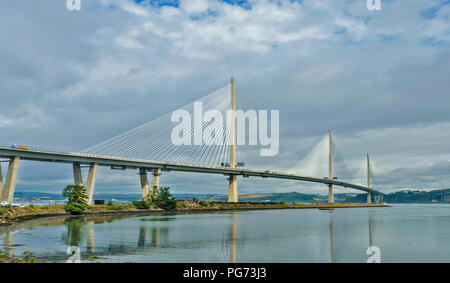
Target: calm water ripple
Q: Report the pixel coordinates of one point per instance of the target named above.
(404, 233)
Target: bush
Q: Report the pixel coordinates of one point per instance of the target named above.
(181, 205)
(159, 199)
(140, 204)
(165, 200)
(28, 257)
(77, 202)
(113, 206)
(3, 256)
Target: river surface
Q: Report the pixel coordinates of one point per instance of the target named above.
(403, 233)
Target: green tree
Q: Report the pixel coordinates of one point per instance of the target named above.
(165, 200)
(77, 202)
(28, 257)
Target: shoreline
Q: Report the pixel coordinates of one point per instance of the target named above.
(14, 215)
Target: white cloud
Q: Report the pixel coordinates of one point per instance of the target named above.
(371, 77)
(194, 6)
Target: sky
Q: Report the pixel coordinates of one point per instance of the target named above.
(378, 79)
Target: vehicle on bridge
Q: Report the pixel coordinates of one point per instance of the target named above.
(19, 146)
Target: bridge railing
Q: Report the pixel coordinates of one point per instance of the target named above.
(33, 148)
(82, 154)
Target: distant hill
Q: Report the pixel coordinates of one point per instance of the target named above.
(283, 197)
(405, 196)
(37, 196)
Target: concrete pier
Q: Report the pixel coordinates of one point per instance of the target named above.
(144, 183)
(330, 168)
(77, 175)
(7, 193)
(330, 194)
(232, 180)
(1, 180)
(155, 181)
(90, 183)
(369, 200)
(232, 189)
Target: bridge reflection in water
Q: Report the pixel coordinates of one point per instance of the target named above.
(153, 239)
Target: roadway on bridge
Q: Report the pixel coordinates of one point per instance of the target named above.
(127, 163)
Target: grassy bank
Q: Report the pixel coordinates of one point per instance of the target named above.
(9, 215)
(27, 257)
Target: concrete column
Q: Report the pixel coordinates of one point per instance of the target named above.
(10, 182)
(232, 180)
(232, 189)
(155, 181)
(330, 169)
(90, 183)
(1, 180)
(144, 183)
(330, 194)
(369, 200)
(77, 175)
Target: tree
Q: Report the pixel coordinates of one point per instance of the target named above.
(165, 200)
(77, 202)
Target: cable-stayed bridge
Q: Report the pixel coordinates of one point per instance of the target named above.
(209, 146)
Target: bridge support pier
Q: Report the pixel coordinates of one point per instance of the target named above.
(144, 183)
(90, 183)
(155, 181)
(7, 192)
(330, 168)
(330, 194)
(1, 180)
(369, 200)
(232, 189)
(77, 175)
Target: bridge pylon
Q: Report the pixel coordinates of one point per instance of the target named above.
(1, 180)
(144, 182)
(232, 180)
(90, 182)
(155, 181)
(330, 168)
(7, 190)
(369, 199)
(153, 190)
(77, 175)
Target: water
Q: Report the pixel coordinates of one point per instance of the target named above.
(404, 233)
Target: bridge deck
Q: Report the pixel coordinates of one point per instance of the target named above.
(126, 163)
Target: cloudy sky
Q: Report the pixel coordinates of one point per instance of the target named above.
(378, 79)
